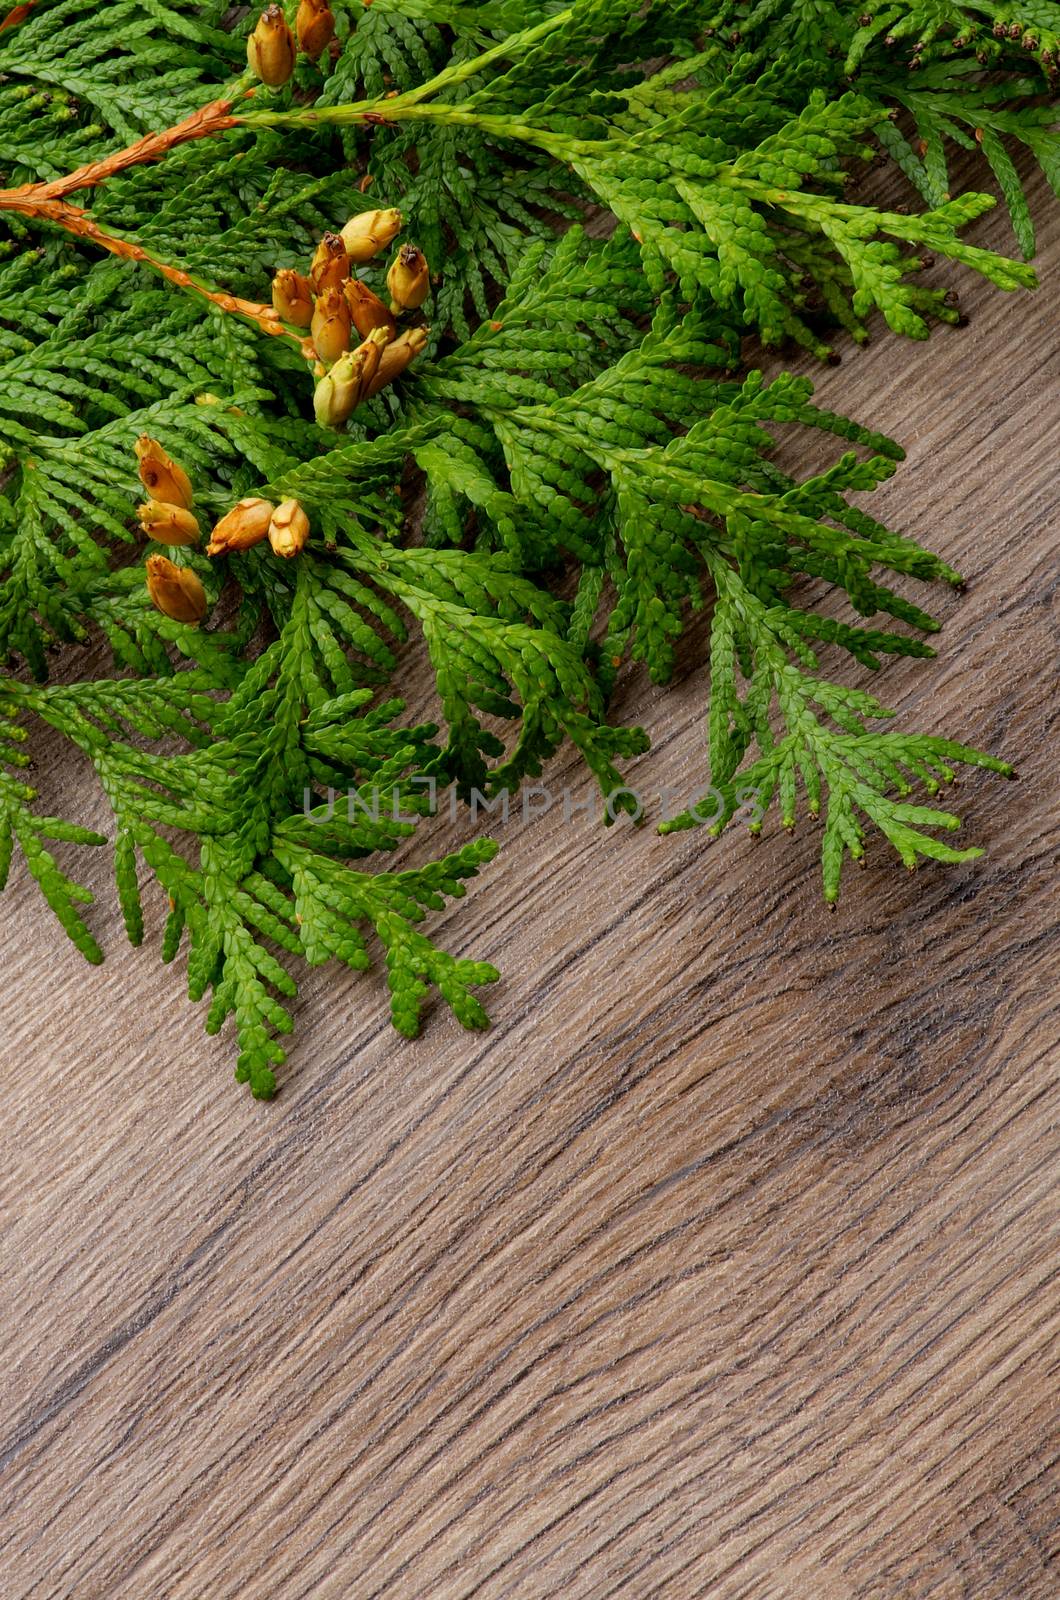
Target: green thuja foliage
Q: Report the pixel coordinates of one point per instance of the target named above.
(265, 873)
(573, 464)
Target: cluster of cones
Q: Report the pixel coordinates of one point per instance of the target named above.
(272, 48)
(167, 517)
(334, 304)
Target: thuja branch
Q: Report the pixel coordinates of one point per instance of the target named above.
(47, 202)
(410, 108)
(29, 198)
(83, 226)
(748, 229)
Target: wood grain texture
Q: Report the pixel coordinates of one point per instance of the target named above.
(724, 1265)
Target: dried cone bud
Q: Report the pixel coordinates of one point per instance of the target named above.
(331, 264)
(289, 529)
(367, 311)
(292, 297)
(168, 524)
(160, 475)
(331, 325)
(176, 591)
(349, 382)
(396, 357)
(247, 523)
(270, 48)
(369, 232)
(315, 26)
(409, 279)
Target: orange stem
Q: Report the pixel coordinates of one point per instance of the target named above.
(212, 118)
(80, 223)
(16, 15)
(47, 200)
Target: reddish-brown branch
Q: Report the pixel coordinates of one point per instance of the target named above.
(213, 118)
(16, 15)
(80, 223)
(46, 200)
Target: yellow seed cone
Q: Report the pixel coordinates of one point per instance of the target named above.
(246, 524)
(292, 297)
(270, 48)
(160, 474)
(289, 529)
(396, 357)
(175, 591)
(168, 524)
(369, 232)
(315, 27)
(331, 264)
(409, 279)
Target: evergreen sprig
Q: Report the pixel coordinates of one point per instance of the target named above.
(567, 462)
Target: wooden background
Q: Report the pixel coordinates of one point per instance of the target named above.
(724, 1265)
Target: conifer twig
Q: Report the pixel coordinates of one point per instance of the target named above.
(83, 226)
(213, 118)
(47, 202)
